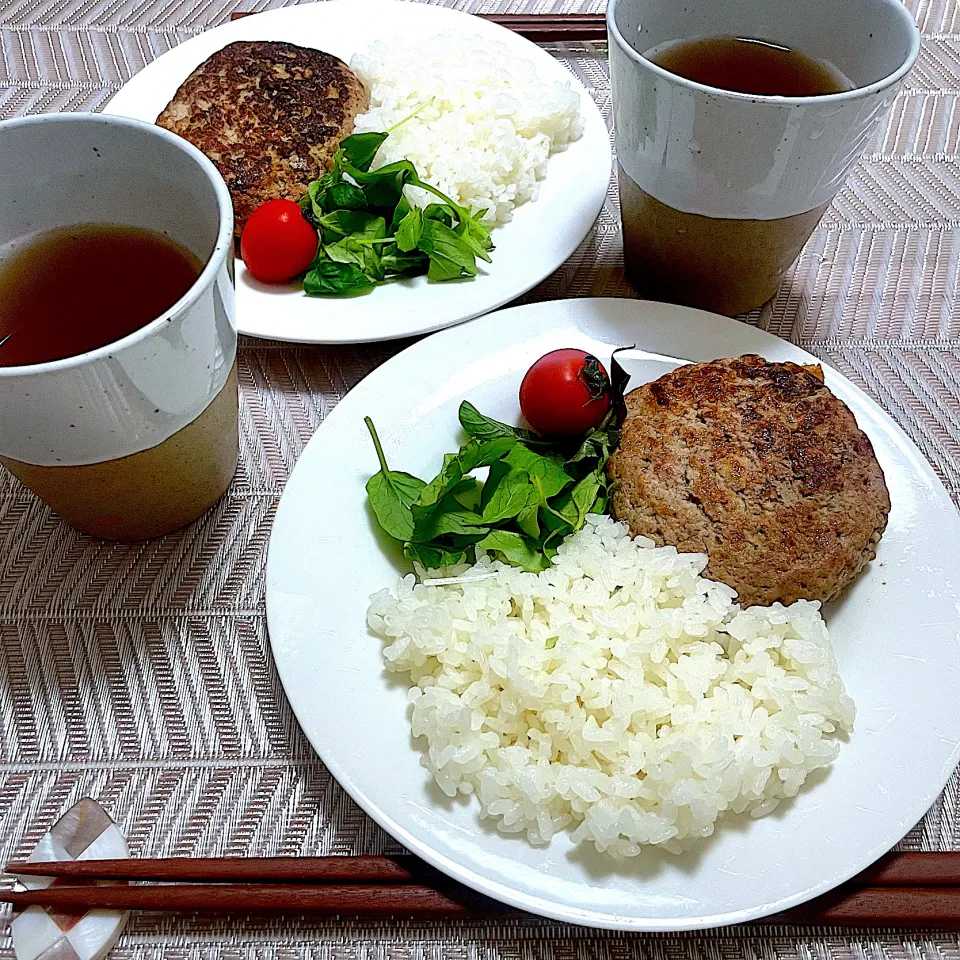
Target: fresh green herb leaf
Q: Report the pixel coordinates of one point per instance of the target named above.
(465, 540)
(490, 451)
(548, 469)
(392, 514)
(400, 264)
(344, 196)
(449, 517)
(555, 527)
(515, 549)
(560, 513)
(399, 212)
(584, 494)
(480, 427)
(599, 442)
(449, 476)
(460, 212)
(409, 231)
(537, 491)
(345, 250)
(383, 187)
(498, 471)
(312, 202)
(432, 557)
(450, 257)
(392, 494)
(467, 493)
(346, 223)
(476, 236)
(362, 246)
(441, 212)
(528, 521)
(457, 465)
(359, 149)
(352, 250)
(384, 195)
(373, 231)
(327, 278)
(512, 495)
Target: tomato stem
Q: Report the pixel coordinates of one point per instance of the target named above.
(594, 378)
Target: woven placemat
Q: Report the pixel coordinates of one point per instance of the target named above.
(141, 674)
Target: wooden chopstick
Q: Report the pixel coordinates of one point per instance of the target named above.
(912, 869)
(546, 27)
(540, 27)
(348, 870)
(909, 869)
(928, 907)
(404, 899)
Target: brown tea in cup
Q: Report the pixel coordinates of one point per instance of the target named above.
(73, 289)
(749, 65)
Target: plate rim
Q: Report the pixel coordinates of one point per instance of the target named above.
(589, 211)
(498, 890)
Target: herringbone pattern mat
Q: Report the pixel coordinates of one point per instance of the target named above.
(141, 674)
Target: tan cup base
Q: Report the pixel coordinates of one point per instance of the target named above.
(727, 266)
(152, 492)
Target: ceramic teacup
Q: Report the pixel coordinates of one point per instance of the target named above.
(138, 437)
(719, 190)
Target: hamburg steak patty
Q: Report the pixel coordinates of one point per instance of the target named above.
(759, 466)
(270, 115)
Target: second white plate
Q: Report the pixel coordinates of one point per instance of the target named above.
(894, 633)
(541, 236)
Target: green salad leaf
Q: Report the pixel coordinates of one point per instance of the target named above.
(481, 427)
(329, 278)
(371, 234)
(536, 492)
(409, 230)
(392, 494)
(360, 149)
(515, 549)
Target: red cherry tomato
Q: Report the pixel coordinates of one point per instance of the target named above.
(277, 243)
(566, 392)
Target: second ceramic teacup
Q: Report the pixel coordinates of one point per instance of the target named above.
(719, 190)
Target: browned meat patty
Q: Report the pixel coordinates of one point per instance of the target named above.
(759, 466)
(270, 116)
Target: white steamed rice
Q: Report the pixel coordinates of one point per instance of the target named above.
(488, 123)
(618, 692)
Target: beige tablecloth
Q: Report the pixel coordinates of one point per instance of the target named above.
(141, 674)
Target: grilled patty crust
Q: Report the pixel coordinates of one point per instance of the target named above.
(270, 115)
(759, 466)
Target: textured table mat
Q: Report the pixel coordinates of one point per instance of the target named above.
(141, 674)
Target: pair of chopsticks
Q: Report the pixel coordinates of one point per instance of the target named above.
(539, 27)
(320, 885)
(900, 890)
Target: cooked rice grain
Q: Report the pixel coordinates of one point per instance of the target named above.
(486, 123)
(618, 692)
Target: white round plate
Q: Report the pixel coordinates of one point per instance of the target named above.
(541, 236)
(895, 634)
